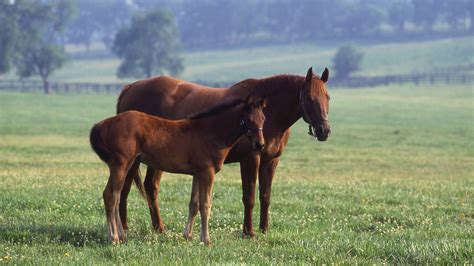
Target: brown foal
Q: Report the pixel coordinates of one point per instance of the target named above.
(196, 146)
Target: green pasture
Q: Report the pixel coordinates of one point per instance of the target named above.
(393, 184)
(238, 64)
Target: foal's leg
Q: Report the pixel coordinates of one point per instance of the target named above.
(131, 175)
(111, 197)
(205, 192)
(152, 188)
(248, 172)
(265, 178)
(193, 209)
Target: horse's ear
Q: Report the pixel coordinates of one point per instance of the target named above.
(325, 75)
(309, 75)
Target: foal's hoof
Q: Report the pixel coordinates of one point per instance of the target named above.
(188, 237)
(114, 241)
(206, 242)
(159, 229)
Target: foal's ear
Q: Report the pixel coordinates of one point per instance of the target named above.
(309, 75)
(247, 99)
(325, 75)
(262, 102)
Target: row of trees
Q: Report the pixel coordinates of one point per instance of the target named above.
(211, 24)
(33, 33)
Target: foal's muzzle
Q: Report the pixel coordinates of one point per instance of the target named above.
(259, 146)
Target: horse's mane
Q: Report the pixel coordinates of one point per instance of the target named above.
(217, 109)
(270, 85)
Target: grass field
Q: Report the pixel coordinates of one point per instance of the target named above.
(238, 64)
(394, 183)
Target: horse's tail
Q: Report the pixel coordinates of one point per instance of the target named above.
(137, 179)
(97, 144)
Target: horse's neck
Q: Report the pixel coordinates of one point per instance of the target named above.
(283, 94)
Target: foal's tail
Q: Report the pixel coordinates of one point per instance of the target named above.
(97, 144)
(104, 154)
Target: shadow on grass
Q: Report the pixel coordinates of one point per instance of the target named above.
(78, 236)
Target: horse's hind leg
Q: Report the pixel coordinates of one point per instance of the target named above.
(111, 197)
(152, 188)
(193, 210)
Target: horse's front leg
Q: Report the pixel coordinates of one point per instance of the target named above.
(152, 188)
(265, 178)
(193, 209)
(248, 173)
(205, 193)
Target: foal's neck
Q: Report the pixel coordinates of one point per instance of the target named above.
(224, 128)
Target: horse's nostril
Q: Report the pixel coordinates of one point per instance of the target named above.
(321, 129)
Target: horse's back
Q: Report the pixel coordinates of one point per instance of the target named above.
(167, 97)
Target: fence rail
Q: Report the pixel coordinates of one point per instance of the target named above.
(353, 82)
(60, 87)
(432, 78)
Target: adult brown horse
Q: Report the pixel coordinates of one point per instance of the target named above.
(196, 146)
(289, 97)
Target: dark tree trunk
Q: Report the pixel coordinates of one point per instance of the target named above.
(45, 84)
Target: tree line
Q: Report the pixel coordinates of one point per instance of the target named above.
(221, 24)
(148, 34)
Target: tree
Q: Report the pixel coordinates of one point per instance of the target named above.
(149, 46)
(398, 13)
(38, 49)
(346, 61)
(8, 36)
(42, 60)
(426, 12)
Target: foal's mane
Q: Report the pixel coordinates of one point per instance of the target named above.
(217, 109)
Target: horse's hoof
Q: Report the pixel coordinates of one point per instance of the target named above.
(246, 234)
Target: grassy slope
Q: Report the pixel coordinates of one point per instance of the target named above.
(235, 65)
(393, 184)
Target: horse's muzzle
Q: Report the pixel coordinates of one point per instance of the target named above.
(321, 131)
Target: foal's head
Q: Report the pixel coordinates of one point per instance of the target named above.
(314, 103)
(252, 120)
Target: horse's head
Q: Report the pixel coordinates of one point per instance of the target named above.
(314, 104)
(252, 120)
